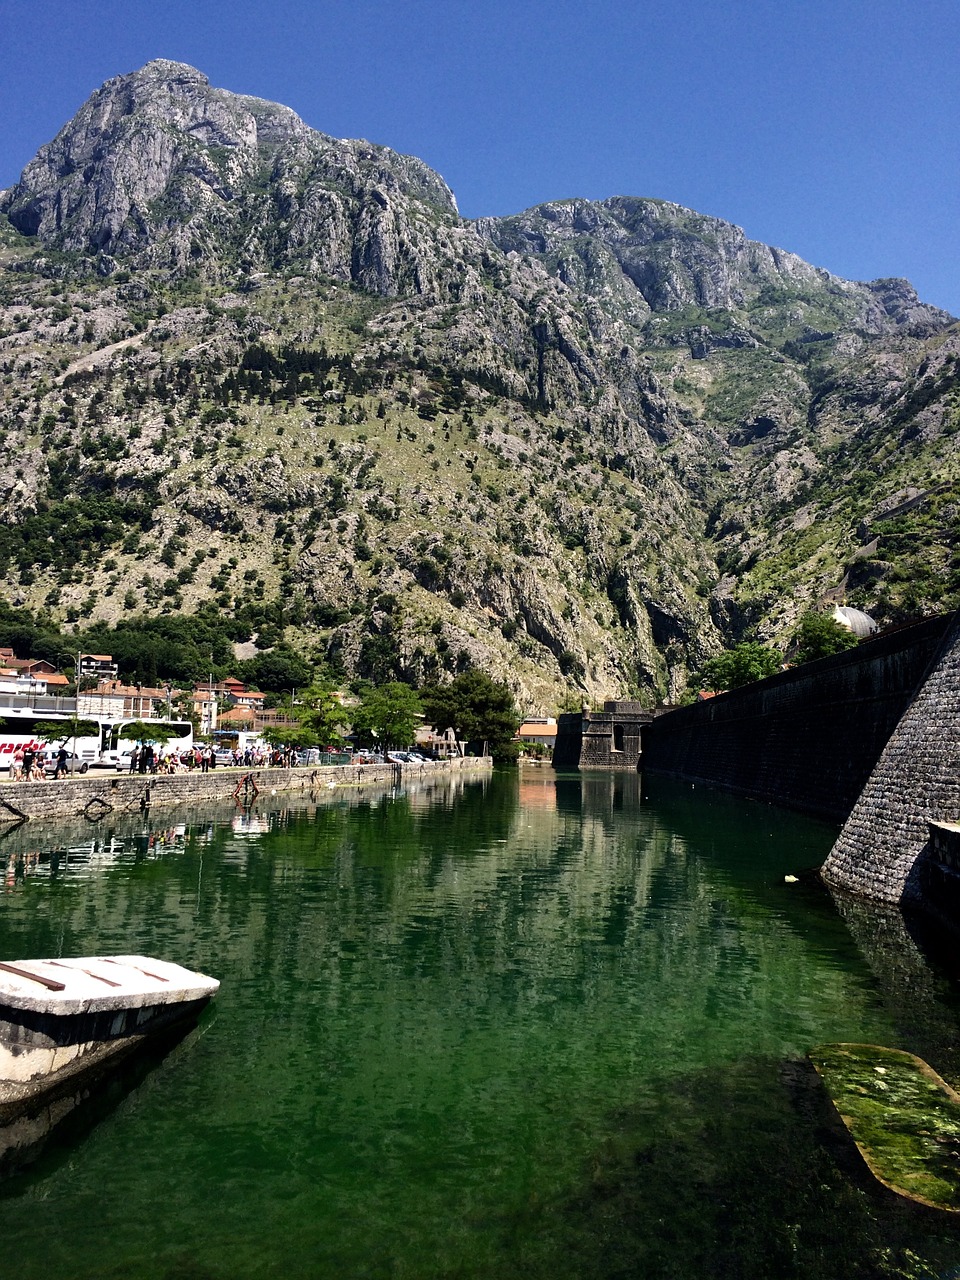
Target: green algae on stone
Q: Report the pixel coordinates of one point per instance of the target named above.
(903, 1117)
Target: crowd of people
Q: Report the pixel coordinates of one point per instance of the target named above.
(146, 759)
(27, 764)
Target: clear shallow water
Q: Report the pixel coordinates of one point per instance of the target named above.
(536, 1026)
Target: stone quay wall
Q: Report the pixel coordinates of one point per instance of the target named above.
(97, 794)
(807, 738)
(886, 840)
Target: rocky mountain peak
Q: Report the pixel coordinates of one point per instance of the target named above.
(166, 69)
(158, 168)
(655, 256)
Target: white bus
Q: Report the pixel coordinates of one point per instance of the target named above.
(18, 729)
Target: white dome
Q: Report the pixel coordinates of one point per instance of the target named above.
(855, 620)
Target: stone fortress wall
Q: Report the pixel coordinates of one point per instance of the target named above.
(807, 738)
(885, 845)
(607, 739)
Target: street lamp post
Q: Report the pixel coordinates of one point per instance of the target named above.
(62, 653)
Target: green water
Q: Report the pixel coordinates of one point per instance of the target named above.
(531, 1026)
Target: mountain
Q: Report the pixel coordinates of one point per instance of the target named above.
(254, 370)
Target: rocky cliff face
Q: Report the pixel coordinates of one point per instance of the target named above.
(583, 446)
(645, 257)
(162, 170)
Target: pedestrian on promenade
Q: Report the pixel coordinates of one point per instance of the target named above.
(29, 757)
(134, 759)
(62, 757)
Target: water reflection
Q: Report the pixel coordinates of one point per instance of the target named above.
(531, 1024)
(48, 1130)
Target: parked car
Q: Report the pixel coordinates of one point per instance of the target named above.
(122, 759)
(107, 761)
(112, 759)
(74, 763)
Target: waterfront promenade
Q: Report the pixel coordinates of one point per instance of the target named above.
(95, 795)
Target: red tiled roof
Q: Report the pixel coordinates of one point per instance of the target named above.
(237, 715)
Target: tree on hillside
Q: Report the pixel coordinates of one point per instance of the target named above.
(290, 735)
(819, 635)
(277, 671)
(478, 709)
(742, 665)
(389, 713)
(320, 715)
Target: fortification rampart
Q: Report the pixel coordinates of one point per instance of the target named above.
(886, 840)
(607, 739)
(807, 738)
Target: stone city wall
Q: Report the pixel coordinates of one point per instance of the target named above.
(97, 794)
(886, 839)
(807, 738)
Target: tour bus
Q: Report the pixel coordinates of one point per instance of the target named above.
(17, 729)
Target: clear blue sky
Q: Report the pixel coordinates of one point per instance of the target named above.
(828, 127)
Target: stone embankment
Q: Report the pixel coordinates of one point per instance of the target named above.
(883, 845)
(96, 795)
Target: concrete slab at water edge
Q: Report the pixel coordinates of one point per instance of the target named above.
(67, 1020)
(94, 984)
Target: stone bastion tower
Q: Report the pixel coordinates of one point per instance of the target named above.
(900, 829)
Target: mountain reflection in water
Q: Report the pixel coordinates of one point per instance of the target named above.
(536, 1024)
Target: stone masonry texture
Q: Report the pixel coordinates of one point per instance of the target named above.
(807, 738)
(916, 781)
(96, 795)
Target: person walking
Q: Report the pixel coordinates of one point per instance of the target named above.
(134, 759)
(63, 756)
(29, 756)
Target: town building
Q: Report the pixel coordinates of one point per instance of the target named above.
(110, 699)
(539, 732)
(96, 666)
